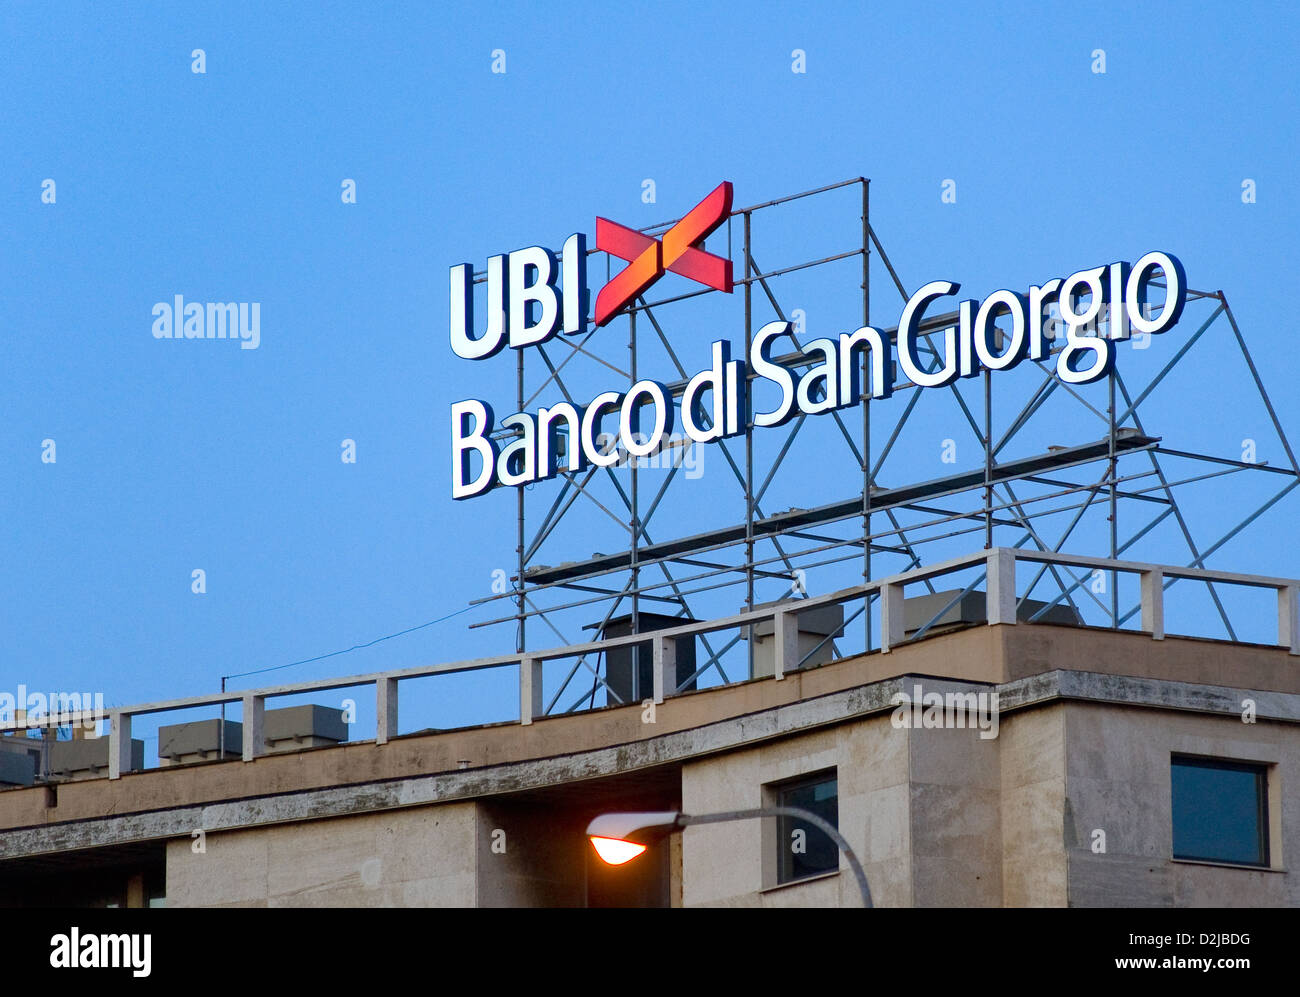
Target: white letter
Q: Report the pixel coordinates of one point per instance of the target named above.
(1038, 347)
(548, 435)
(882, 381)
(760, 358)
(711, 380)
(464, 440)
(250, 325)
(162, 326)
(540, 264)
(575, 284)
(908, 328)
(826, 373)
(1175, 292)
(59, 956)
(591, 420)
(629, 424)
(1015, 351)
(462, 310)
(1076, 334)
(517, 463)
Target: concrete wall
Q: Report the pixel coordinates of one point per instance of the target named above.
(920, 807)
(982, 654)
(1032, 752)
(530, 856)
(956, 816)
(939, 817)
(422, 857)
(943, 818)
(1119, 781)
(452, 855)
(727, 864)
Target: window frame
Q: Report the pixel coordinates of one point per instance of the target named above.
(1263, 772)
(782, 867)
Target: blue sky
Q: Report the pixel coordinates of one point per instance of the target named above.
(225, 186)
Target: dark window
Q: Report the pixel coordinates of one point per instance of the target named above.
(1220, 811)
(805, 849)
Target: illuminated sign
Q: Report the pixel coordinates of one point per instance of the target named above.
(532, 296)
(648, 258)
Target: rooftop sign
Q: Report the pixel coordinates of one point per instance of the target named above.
(532, 296)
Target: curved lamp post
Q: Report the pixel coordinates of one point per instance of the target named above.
(621, 837)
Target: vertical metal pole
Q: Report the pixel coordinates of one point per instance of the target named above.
(749, 450)
(1114, 498)
(988, 459)
(865, 394)
(519, 502)
(636, 530)
(221, 727)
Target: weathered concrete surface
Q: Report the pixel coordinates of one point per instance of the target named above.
(734, 864)
(997, 654)
(940, 817)
(919, 806)
(954, 781)
(1032, 749)
(1118, 781)
(450, 786)
(528, 856)
(497, 854)
(421, 857)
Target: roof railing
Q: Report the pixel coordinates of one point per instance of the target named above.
(999, 564)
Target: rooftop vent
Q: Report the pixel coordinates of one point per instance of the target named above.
(818, 629)
(969, 609)
(87, 758)
(634, 685)
(289, 729)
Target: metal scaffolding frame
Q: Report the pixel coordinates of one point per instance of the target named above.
(789, 545)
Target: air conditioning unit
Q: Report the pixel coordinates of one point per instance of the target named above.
(631, 682)
(818, 629)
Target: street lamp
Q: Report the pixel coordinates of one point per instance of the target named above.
(621, 837)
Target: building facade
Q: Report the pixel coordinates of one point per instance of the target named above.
(1114, 767)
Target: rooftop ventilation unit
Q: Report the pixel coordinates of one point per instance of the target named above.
(289, 729)
(87, 758)
(950, 610)
(818, 629)
(627, 684)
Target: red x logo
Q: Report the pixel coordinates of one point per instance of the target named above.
(648, 257)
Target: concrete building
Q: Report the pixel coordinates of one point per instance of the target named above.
(1114, 768)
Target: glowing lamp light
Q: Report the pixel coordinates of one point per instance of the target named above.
(619, 838)
(616, 851)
